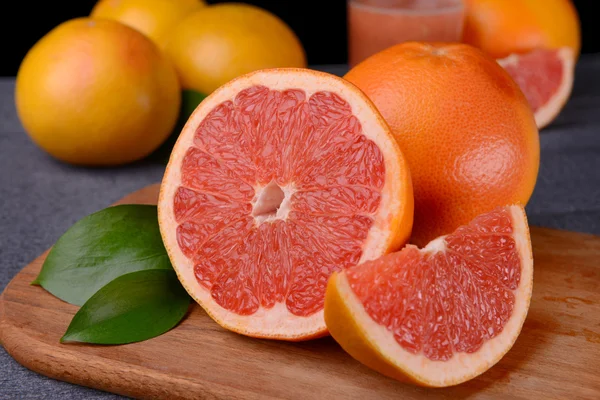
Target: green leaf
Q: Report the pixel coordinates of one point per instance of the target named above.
(133, 307)
(102, 247)
(189, 101)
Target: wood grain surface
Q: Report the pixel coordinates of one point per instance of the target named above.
(557, 355)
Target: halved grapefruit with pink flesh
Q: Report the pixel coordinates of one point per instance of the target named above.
(440, 315)
(278, 179)
(545, 77)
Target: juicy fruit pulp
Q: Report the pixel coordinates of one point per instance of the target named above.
(540, 80)
(440, 315)
(445, 300)
(277, 192)
(546, 79)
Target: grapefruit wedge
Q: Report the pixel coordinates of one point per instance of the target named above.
(545, 77)
(279, 178)
(440, 315)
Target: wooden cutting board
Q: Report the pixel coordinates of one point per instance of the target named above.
(556, 356)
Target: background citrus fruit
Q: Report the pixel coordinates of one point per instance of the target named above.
(501, 27)
(538, 42)
(154, 18)
(97, 92)
(463, 124)
(220, 42)
(546, 78)
(441, 315)
(279, 178)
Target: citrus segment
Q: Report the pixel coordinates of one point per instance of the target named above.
(546, 79)
(279, 179)
(440, 315)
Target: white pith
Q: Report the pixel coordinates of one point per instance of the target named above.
(263, 199)
(436, 245)
(544, 115)
(278, 322)
(462, 366)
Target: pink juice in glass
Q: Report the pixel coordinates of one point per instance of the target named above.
(374, 25)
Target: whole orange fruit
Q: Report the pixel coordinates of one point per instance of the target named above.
(154, 18)
(501, 27)
(464, 126)
(220, 42)
(97, 92)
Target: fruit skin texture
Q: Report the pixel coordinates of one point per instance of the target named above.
(220, 42)
(96, 92)
(463, 124)
(501, 27)
(154, 18)
(352, 328)
(393, 221)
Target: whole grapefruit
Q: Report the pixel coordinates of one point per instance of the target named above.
(154, 18)
(97, 92)
(501, 27)
(220, 42)
(466, 129)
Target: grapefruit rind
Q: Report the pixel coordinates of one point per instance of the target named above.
(376, 347)
(392, 221)
(547, 113)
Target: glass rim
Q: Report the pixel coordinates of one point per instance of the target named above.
(408, 11)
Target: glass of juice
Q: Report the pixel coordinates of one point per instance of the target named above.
(374, 25)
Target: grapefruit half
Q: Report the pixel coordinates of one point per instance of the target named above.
(279, 178)
(545, 77)
(440, 315)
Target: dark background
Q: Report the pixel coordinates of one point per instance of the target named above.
(320, 25)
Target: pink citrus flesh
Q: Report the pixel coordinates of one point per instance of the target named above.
(546, 79)
(279, 179)
(440, 315)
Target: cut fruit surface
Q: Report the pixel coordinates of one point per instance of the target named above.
(278, 179)
(440, 315)
(546, 79)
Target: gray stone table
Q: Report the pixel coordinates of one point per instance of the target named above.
(41, 198)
